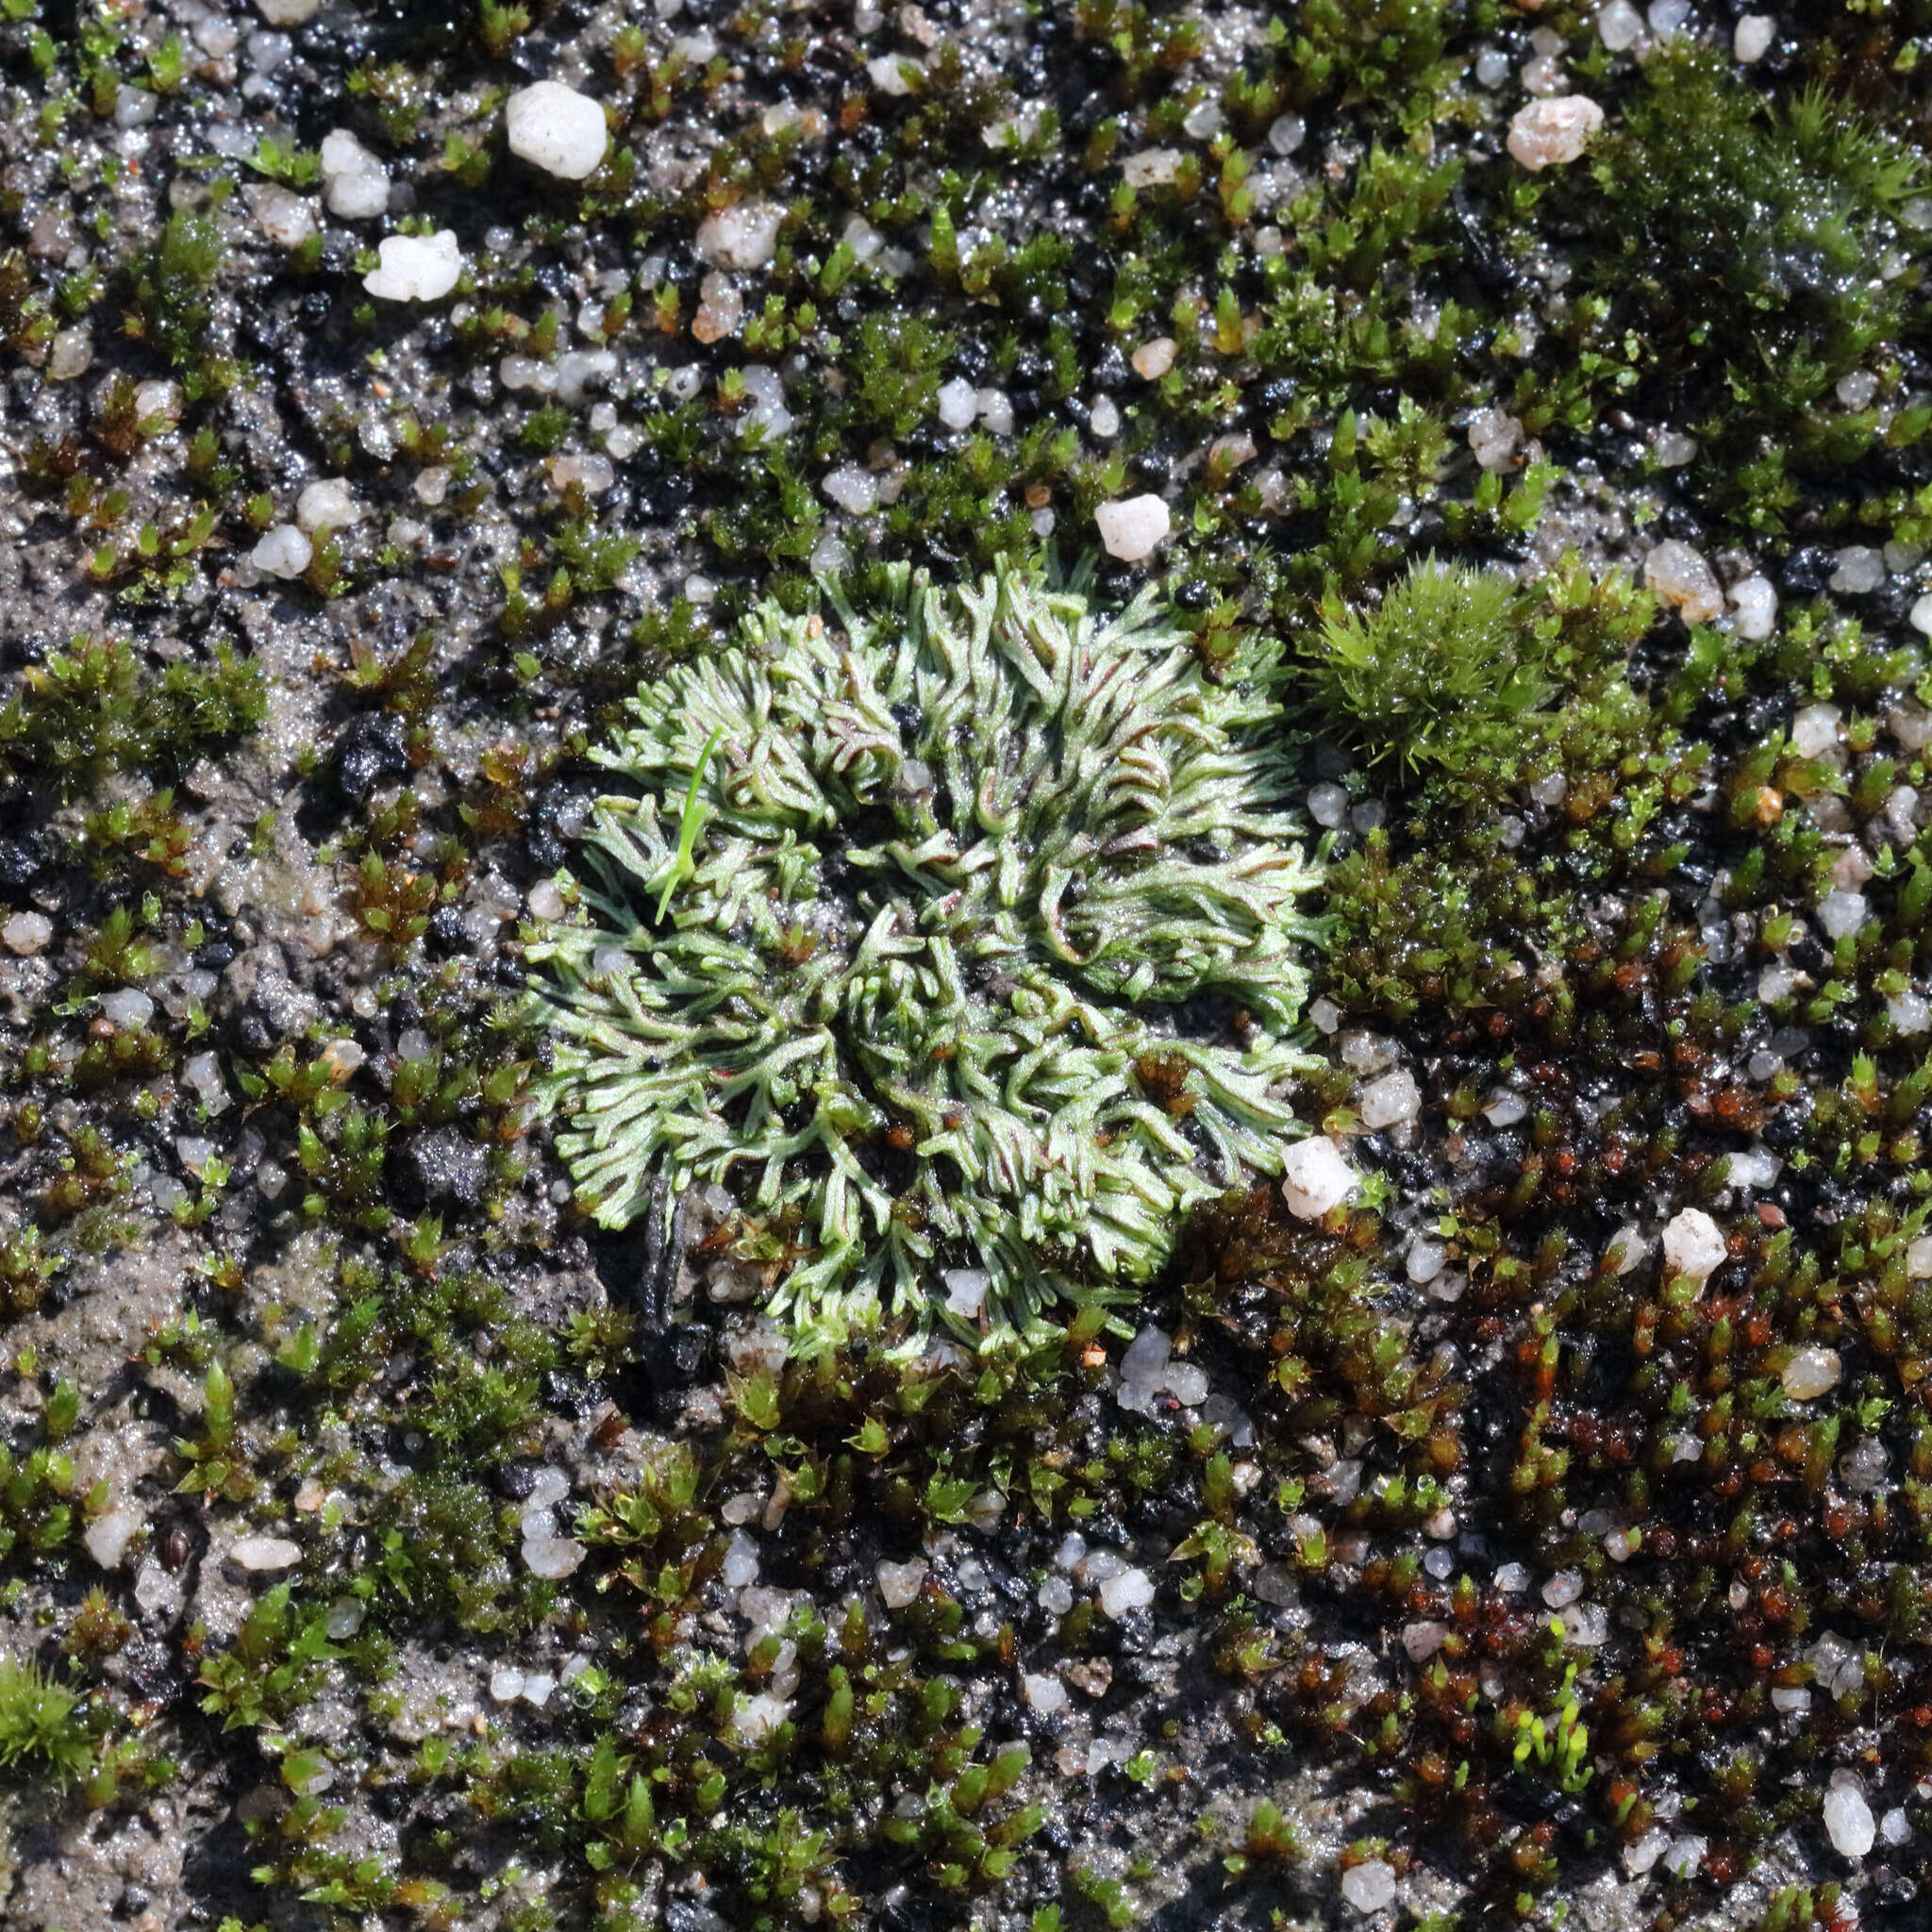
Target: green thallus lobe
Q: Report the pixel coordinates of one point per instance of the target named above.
(981, 955)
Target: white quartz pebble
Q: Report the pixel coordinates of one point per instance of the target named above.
(1586, 1625)
(1421, 1640)
(896, 75)
(1848, 1822)
(202, 1071)
(1813, 1372)
(1327, 805)
(959, 403)
(126, 1008)
(1751, 40)
(1286, 133)
(1638, 1857)
(1132, 1590)
(355, 183)
(72, 354)
(1369, 1886)
(1860, 569)
(1152, 360)
(593, 475)
(1147, 1356)
(1626, 1250)
(1685, 1856)
(555, 1557)
(1838, 1667)
(1188, 1385)
(966, 1291)
(1152, 167)
(743, 238)
(1552, 131)
(1424, 1259)
(1494, 437)
(852, 488)
(862, 239)
(1391, 1099)
(741, 1564)
(109, 1535)
(193, 1152)
(1563, 1588)
(549, 1484)
(576, 369)
(1044, 1692)
(286, 218)
(1133, 528)
(1681, 578)
(721, 308)
(1315, 1178)
(283, 552)
(754, 1719)
(1755, 1168)
(1693, 1246)
(1753, 604)
(415, 268)
(26, 933)
(768, 414)
(1840, 914)
(1618, 25)
(264, 1553)
(899, 1583)
(555, 128)
(326, 505)
(1814, 730)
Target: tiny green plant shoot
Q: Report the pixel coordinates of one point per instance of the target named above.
(1559, 1743)
(689, 825)
(974, 961)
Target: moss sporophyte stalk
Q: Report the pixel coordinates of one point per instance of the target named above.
(954, 930)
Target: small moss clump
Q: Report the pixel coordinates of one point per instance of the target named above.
(1758, 225)
(1449, 655)
(41, 1736)
(94, 709)
(919, 979)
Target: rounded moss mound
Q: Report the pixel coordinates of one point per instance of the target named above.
(905, 932)
(1448, 657)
